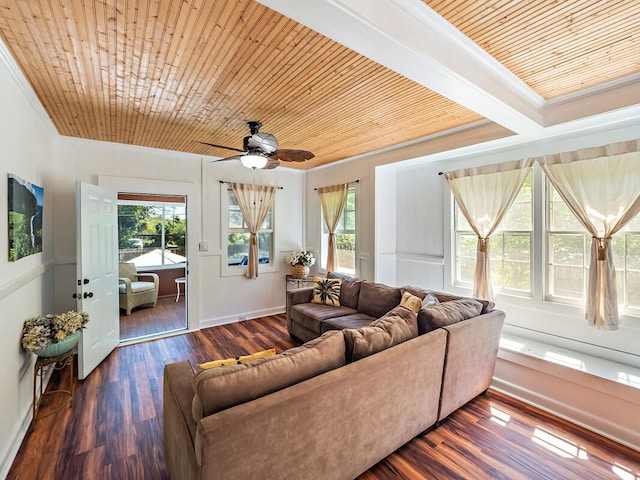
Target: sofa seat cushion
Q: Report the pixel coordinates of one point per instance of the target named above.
(137, 287)
(219, 388)
(357, 320)
(447, 313)
(311, 315)
(376, 299)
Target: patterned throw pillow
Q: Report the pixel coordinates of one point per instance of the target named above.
(326, 291)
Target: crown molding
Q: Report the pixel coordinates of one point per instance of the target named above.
(25, 87)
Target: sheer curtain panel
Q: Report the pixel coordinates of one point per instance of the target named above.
(484, 194)
(254, 202)
(332, 200)
(601, 186)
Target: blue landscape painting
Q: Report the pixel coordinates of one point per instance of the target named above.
(25, 218)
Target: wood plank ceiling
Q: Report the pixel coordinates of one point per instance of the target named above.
(164, 73)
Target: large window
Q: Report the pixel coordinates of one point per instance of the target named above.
(564, 249)
(238, 236)
(345, 237)
(151, 233)
(569, 251)
(510, 247)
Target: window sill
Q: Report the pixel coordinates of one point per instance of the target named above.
(512, 347)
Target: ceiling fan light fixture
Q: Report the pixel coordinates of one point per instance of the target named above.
(254, 160)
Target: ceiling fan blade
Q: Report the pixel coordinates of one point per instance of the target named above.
(221, 146)
(271, 164)
(287, 155)
(233, 157)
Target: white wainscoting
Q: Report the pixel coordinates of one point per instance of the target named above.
(420, 270)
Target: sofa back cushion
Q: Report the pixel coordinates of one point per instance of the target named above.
(349, 290)
(398, 325)
(447, 313)
(376, 299)
(220, 388)
(487, 305)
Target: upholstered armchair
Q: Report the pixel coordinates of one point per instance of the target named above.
(132, 291)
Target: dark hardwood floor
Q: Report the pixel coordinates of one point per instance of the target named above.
(113, 430)
(167, 316)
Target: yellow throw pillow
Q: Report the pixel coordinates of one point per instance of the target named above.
(254, 356)
(411, 302)
(326, 291)
(217, 363)
(234, 361)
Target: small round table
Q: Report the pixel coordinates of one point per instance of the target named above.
(183, 281)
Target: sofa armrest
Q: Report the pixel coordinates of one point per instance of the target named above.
(472, 350)
(299, 295)
(154, 276)
(179, 428)
(126, 282)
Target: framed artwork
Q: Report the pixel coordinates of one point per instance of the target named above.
(25, 218)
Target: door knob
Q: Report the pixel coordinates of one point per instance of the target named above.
(88, 295)
(85, 281)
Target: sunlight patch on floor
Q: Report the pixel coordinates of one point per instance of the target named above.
(558, 445)
(500, 417)
(624, 473)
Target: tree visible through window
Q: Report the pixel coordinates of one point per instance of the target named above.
(152, 233)
(238, 236)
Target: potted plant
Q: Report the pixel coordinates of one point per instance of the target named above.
(53, 334)
(300, 262)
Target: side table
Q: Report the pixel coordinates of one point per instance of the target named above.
(42, 366)
(296, 282)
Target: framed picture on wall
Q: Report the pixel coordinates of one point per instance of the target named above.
(25, 217)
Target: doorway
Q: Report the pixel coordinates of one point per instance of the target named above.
(152, 251)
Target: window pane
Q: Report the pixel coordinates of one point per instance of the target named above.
(560, 217)
(567, 282)
(633, 225)
(510, 261)
(265, 240)
(466, 269)
(349, 221)
(346, 244)
(517, 218)
(633, 252)
(235, 219)
(567, 250)
(633, 289)
(266, 225)
(467, 245)
(238, 248)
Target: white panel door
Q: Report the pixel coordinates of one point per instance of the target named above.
(97, 260)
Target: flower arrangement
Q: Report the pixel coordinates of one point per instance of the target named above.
(40, 332)
(300, 257)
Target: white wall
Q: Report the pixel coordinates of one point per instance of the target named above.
(220, 298)
(26, 285)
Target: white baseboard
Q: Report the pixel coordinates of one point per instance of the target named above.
(214, 322)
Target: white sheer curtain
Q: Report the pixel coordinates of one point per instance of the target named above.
(484, 194)
(332, 200)
(254, 202)
(601, 186)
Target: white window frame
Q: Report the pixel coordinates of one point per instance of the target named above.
(238, 270)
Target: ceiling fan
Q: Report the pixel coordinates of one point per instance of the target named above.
(260, 150)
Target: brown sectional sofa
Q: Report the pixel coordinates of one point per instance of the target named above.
(314, 412)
